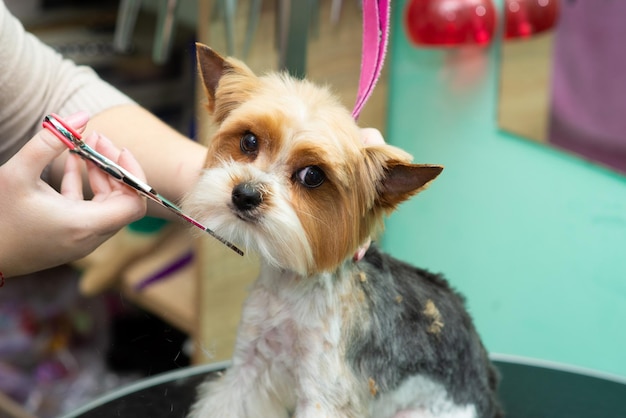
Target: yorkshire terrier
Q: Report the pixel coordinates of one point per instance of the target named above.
(325, 333)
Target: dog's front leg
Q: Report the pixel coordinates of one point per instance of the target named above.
(249, 388)
(237, 394)
(317, 411)
(328, 408)
(329, 389)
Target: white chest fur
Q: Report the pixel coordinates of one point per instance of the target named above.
(293, 332)
(289, 356)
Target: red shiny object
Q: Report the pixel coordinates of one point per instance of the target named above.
(524, 18)
(450, 22)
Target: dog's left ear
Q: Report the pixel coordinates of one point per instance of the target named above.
(400, 179)
(227, 81)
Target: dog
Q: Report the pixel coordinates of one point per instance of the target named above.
(324, 333)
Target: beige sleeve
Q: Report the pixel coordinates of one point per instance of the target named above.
(35, 80)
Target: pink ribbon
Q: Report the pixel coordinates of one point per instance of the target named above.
(375, 37)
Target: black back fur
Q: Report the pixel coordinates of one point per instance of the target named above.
(407, 337)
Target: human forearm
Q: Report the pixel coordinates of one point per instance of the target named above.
(171, 161)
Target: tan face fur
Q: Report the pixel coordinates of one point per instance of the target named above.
(300, 130)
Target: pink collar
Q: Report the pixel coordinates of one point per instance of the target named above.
(375, 37)
(360, 253)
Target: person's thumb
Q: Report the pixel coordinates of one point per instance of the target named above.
(45, 147)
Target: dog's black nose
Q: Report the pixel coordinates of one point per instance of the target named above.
(246, 197)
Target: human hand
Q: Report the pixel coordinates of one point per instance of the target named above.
(41, 227)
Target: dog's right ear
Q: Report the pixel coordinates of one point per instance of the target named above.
(211, 66)
(227, 81)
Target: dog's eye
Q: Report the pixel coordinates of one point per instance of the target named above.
(249, 143)
(311, 176)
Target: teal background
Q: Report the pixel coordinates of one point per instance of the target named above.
(535, 238)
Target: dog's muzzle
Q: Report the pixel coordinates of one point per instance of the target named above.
(246, 197)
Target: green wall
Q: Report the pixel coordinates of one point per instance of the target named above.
(534, 238)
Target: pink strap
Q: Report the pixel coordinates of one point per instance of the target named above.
(375, 37)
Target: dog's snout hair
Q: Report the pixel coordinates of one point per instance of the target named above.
(246, 196)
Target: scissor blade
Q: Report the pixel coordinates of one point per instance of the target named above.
(167, 204)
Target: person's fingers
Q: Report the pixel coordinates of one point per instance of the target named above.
(129, 162)
(113, 211)
(372, 136)
(114, 204)
(37, 153)
(99, 181)
(78, 120)
(128, 202)
(104, 146)
(123, 158)
(72, 183)
(45, 147)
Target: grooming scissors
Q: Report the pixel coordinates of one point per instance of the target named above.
(73, 141)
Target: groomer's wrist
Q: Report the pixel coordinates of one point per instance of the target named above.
(12, 262)
(5, 253)
(7, 269)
